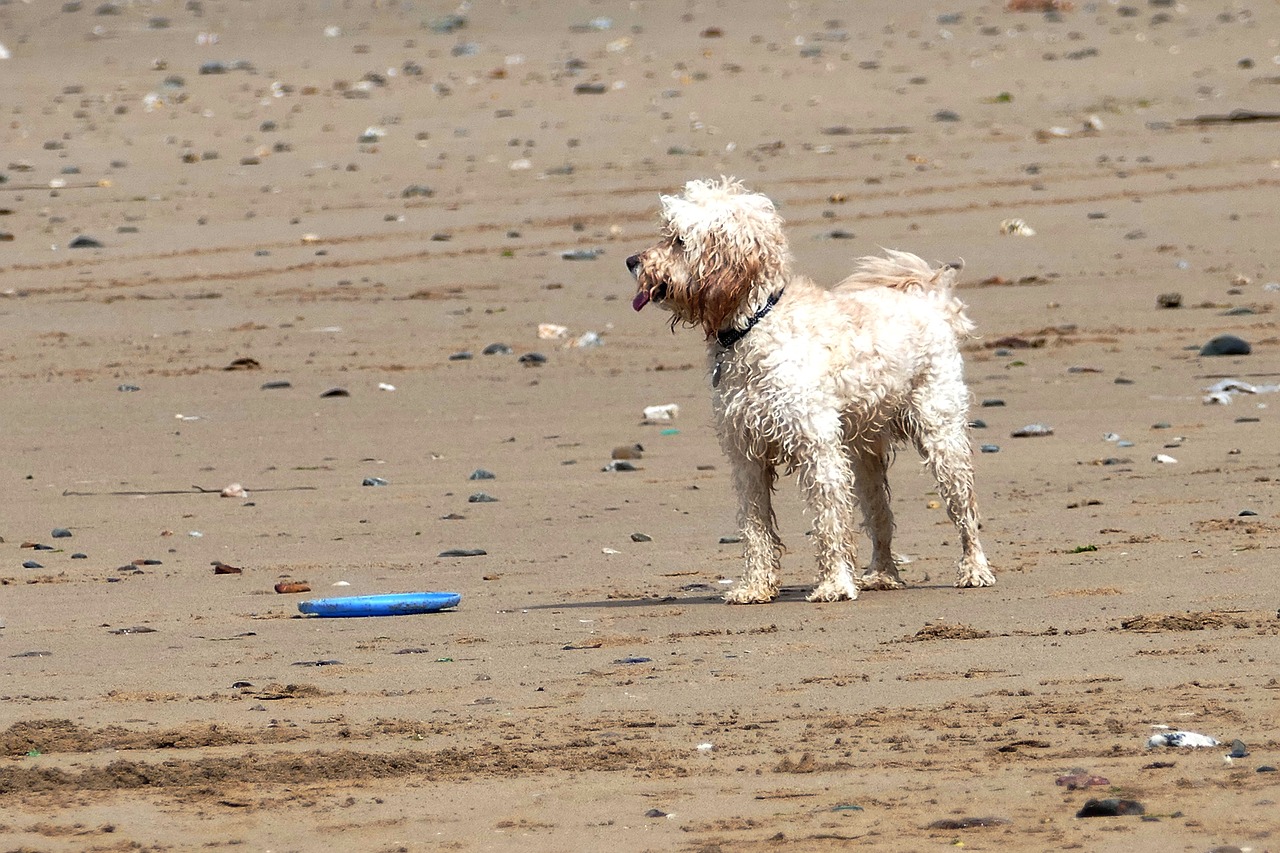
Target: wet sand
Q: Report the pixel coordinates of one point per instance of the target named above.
(359, 194)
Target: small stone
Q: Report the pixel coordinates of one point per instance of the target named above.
(990, 448)
(730, 540)
(31, 564)
(276, 384)
(590, 89)
(127, 388)
(641, 537)
(655, 813)
(497, 349)
(464, 552)
(533, 359)
(463, 355)
(1238, 749)
(336, 392)
(1032, 431)
(992, 404)
(1246, 513)
(482, 474)
(84, 242)
(1226, 345)
(79, 556)
(374, 481)
(60, 533)
(291, 587)
(1111, 807)
(482, 498)
(946, 115)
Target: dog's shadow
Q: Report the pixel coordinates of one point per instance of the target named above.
(787, 595)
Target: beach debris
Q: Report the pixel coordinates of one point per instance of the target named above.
(619, 465)
(581, 254)
(244, 363)
(1226, 345)
(85, 242)
(633, 660)
(481, 474)
(127, 388)
(1238, 749)
(374, 481)
(1164, 459)
(461, 355)
(967, 822)
(291, 587)
(587, 340)
(275, 384)
(552, 331)
(482, 498)
(234, 490)
(1111, 807)
(136, 629)
(1042, 6)
(662, 412)
(1079, 779)
(463, 552)
(1240, 116)
(656, 813)
(221, 568)
(641, 537)
(497, 349)
(386, 386)
(1032, 431)
(1017, 227)
(336, 392)
(60, 533)
(1180, 740)
(532, 359)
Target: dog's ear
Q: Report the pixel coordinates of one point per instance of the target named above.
(725, 275)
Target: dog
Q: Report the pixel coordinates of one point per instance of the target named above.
(821, 383)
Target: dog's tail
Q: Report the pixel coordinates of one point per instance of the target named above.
(908, 273)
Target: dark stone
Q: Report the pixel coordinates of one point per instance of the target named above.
(1226, 345)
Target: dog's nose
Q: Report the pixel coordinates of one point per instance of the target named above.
(632, 263)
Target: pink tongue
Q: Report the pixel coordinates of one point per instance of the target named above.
(641, 300)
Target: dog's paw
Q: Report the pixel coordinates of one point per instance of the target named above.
(975, 576)
(881, 580)
(834, 590)
(749, 595)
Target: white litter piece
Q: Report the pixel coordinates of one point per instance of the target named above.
(386, 386)
(587, 340)
(665, 412)
(4, 52)
(235, 490)
(552, 332)
(1181, 739)
(1222, 392)
(1164, 459)
(706, 747)
(1017, 228)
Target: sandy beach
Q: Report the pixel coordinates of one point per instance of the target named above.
(366, 261)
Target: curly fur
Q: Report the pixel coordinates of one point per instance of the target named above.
(824, 384)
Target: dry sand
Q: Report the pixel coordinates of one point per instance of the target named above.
(362, 194)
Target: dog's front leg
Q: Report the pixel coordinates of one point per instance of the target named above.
(827, 480)
(762, 548)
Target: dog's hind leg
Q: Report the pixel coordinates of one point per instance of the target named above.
(871, 484)
(762, 548)
(946, 449)
(827, 480)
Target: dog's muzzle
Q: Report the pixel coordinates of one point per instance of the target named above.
(643, 295)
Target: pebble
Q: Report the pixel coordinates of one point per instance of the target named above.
(482, 498)
(60, 533)
(79, 556)
(463, 355)
(374, 481)
(633, 660)
(463, 552)
(497, 349)
(1238, 749)
(1226, 345)
(290, 587)
(992, 404)
(1245, 513)
(1032, 431)
(336, 392)
(730, 540)
(482, 474)
(31, 564)
(581, 254)
(990, 448)
(276, 384)
(656, 813)
(84, 242)
(533, 358)
(136, 629)
(1111, 807)
(128, 388)
(641, 537)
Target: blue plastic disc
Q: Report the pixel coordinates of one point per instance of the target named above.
(395, 604)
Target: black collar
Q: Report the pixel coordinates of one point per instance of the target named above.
(728, 337)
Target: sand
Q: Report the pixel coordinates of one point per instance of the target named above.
(368, 191)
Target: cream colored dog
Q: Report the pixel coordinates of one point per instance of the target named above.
(824, 383)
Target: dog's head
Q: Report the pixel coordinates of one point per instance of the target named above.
(722, 249)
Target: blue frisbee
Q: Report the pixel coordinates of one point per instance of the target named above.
(395, 604)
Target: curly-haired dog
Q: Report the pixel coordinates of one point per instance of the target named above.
(824, 383)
